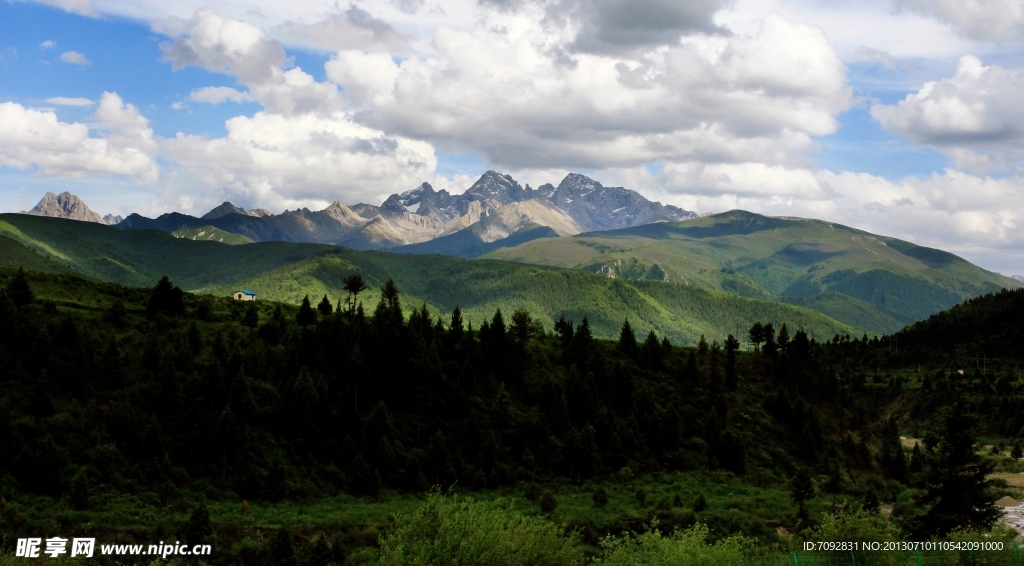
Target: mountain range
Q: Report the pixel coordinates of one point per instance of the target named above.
(495, 208)
(284, 271)
(865, 280)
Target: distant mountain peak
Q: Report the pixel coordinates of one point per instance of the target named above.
(495, 186)
(67, 205)
(575, 180)
(1018, 278)
(223, 210)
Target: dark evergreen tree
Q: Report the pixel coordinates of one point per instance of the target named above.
(198, 529)
(522, 326)
(354, 285)
(325, 307)
(958, 493)
(700, 503)
(771, 348)
(166, 298)
(306, 314)
(455, 329)
(783, 340)
(18, 289)
(801, 489)
(731, 376)
(756, 335)
(627, 341)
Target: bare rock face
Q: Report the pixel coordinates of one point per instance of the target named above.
(495, 208)
(67, 205)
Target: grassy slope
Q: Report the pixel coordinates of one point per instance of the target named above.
(815, 263)
(287, 272)
(212, 234)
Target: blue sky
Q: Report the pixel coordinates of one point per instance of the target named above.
(354, 103)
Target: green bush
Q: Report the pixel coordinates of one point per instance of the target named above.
(681, 548)
(453, 530)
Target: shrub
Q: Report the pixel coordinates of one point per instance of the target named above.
(600, 497)
(453, 530)
(682, 547)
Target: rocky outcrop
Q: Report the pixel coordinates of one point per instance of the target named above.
(67, 205)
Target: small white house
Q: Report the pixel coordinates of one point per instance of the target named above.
(244, 295)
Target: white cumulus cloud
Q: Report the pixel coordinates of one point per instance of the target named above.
(302, 149)
(756, 98)
(977, 19)
(37, 139)
(973, 116)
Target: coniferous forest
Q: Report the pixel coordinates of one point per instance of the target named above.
(136, 413)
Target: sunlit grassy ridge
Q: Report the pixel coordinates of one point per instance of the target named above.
(287, 272)
(862, 279)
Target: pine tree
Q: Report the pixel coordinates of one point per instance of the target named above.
(522, 326)
(354, 284)
(958, 493)
(165, 298)
(731, 376)
(306, 314)
(197, 530)
(783, 339)
(627, 341)
(756, 335)
(771, 348)
(325, 307)
(802, 490)
(455, 329)
(18, 289)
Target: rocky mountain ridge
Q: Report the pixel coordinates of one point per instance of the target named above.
(498, 203)
(69, 206)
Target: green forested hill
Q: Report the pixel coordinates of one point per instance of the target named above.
(287, 272)
(862, 279)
